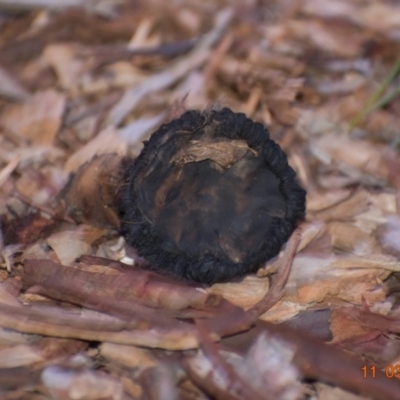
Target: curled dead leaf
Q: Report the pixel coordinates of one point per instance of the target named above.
(90, 195)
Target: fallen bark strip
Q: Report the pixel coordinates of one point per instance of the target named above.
(133, 293)
(30, 319)
(313, 357)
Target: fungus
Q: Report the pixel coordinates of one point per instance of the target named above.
(210, 198)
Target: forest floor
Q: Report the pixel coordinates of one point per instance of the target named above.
(80, 318)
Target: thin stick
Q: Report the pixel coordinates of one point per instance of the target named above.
(275, 292)
(47, 210)
(9, 169)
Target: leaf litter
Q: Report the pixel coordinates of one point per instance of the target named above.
(82, 87)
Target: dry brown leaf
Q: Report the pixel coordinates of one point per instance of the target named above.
(320, 282)
(354, 157)
(317, 201)
(10, 87)
(344, 326)
(108, 141)
(42, 186)
(222, 154)
(349, 238)
(92, 193)
(378, 16)
(33, 155)
(325, 392)
(63, 59)
(38, 118)
(231, 70)
(324, 37)
(243, 294)
(8, 294)
(389, 235)
(383, 205)
(27, 229)
(351, 82)
(284, 311)
(114, 249)
(324, 120)
(118, 75)
(311, 232)
(131, 387)
(328, 8)
(275, 60)
(348, 277)
(38, 251)
(345, 208)
(72, 244)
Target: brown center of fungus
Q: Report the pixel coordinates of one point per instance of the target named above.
(210, 197)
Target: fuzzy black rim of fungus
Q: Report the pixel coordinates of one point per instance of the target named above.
(210, 198)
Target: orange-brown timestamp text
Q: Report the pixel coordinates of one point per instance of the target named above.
(390, 371)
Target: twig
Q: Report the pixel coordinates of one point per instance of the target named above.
(169, 76)
(109, 54)
(275, 292)
(93, 109)
(47, 210)
(9, 169)
(64, 324)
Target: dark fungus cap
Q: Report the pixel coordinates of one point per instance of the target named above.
(210, 198)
